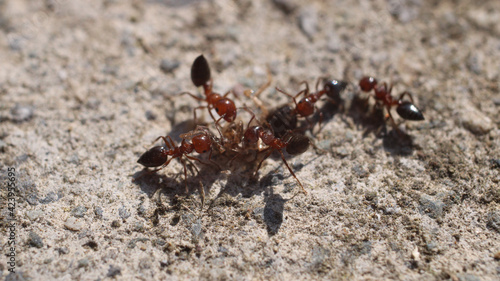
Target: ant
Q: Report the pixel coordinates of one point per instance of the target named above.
(307, 105)
(406, 109)
(200, 76)
(294, 144)
(201, 142)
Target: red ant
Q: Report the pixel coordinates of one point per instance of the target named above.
(200, 76)
(306, 106)
(406, 109)
(294, 143)
(201, 142)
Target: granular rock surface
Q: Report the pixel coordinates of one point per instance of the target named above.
(86, 86)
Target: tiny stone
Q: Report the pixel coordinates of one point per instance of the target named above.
(475, 121)
(35, 240)
(123, 213)
(33, 215)
(360, 171)
(167, 65)
(497, 256)
(63, 250)
(79, 212)
(493, 221)
(150, 115)
(3, 146)
(32, 199)
(98, 212)
(51, 197)
(73, 224)
(334, 43)
(114, 271)
(115, 224)
(287, 6)
(21, 113)
(475, 63)
(83, 263)
(196, 229)
(308, 21)
(432, 207)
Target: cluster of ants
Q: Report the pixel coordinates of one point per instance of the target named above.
(279, 131)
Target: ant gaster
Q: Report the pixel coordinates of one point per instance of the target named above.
(200, 76)
(157, 157)
(406, 109)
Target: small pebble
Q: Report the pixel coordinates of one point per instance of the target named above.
(21, 113)
(287, 6)
(114, 271)
(51, 197)
(497, 256)
(33, 215)
(79, 212)
(308, 21)
(63, 250)
(83, 263)
(123, 213)
(168, 66)
(432, 207)
(35, 240)
(98, 212)
(73, 224)
(475, 121)
(334, 43)
(493, 221)
(115, 224)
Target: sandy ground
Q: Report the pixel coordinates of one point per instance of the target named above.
(86, 86)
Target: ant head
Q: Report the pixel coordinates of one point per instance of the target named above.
(154, 157)
(202, 143)
(409, 111)
(227, 109)
(367, 83)
(297, 144)
(200, 71)
(333, 88)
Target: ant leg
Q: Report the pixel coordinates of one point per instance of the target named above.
(283, 92)
(212, 161)
(394, 125)
(218, 127)
(197, 108)
(261, 161)
(406, 93)
(204, 163)
(291, 171)
(193, 96)
(306, 89)
(185, 174)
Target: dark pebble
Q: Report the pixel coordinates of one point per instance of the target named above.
(167, 65)
(35, 240)
(79, 212)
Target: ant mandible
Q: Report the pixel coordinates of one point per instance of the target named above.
(157, 157)
(406, 109)
(294, 144)
(200, 76)
(306, 106)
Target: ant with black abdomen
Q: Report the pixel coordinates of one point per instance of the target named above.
(200, 76)
(382, 94)
(306, 106)
(201, 141)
